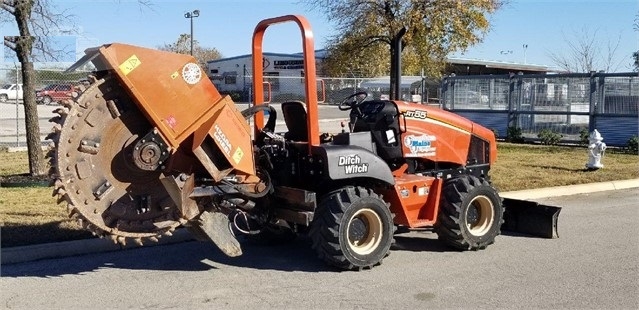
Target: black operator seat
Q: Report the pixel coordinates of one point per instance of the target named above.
(296, 119)
(381, 118)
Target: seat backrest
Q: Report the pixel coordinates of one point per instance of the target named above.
(295, 118)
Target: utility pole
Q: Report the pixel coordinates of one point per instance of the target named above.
(192, 15)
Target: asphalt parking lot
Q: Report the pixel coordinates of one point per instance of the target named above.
(592, 265)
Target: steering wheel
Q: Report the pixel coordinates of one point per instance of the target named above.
(353, 101)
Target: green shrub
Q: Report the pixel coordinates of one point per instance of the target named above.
(633, 145)
(496, 132)
(583, 137)
(549, 137)
(513, 134)
(236, 96)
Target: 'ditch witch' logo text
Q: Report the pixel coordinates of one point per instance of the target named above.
(352, 164)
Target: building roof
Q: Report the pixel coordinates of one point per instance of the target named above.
(407, 81)
(319, 54)
(493, 64)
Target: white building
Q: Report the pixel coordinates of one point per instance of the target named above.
(283, 72)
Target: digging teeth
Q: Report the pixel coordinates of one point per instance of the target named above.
(59, 191)
(50, 153)
(57, 128)
(113, 238)
(61, 111)
(61, 199)
(154, 239)
(67, 103)
(53, 172)
(56, 119)
(73, 213)
(121, 240)
(58, 183)
(138, 241)
(53, 136)
(92, 79)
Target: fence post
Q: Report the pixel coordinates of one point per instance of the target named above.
(514, 98)
(445, 91)
(448, 88)
(491, 93)
(592, 120)
(568, 103)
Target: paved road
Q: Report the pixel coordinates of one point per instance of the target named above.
(594, 264)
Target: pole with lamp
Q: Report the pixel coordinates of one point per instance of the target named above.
(192, 15)
(525, 46)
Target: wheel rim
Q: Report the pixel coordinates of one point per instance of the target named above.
(364, 231)
(480, 216)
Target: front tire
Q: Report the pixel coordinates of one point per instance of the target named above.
(470, 214)
(3, 98)
(352, 229)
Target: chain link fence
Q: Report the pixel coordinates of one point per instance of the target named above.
(51, 86)
(566, 104)
(278, 89)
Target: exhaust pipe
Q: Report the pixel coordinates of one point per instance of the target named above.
(531, 218)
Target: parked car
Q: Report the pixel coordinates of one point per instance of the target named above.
(54, 93)
(11, 92)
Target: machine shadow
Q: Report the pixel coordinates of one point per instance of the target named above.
(190, 256)
(419, 242)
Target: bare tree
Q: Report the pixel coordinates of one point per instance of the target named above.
(36, 23)
(586, 52)
(183, 46)
(635, 55)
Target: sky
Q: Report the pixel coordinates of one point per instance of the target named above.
(523, 31)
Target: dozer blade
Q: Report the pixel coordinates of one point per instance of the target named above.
(214, 226)
(529, 217)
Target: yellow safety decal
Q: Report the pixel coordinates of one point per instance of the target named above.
(175, 75)
(130, 64)
(237, 156)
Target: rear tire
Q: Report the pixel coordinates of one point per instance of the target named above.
(3, 98)
(470, 214)
(352, 229)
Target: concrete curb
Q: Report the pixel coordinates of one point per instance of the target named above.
(29, 253)
(21, 254)
(571, 189)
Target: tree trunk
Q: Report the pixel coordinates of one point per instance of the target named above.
(23, 47)
(34, 144)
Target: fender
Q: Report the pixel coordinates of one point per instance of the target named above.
(349, 161)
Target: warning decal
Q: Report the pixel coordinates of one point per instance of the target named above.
(130, 64)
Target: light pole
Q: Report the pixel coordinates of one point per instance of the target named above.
(191, 15)
(525, 48)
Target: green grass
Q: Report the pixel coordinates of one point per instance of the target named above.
(31, 215)
(521, 166)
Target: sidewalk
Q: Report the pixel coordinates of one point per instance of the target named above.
(79, 247)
